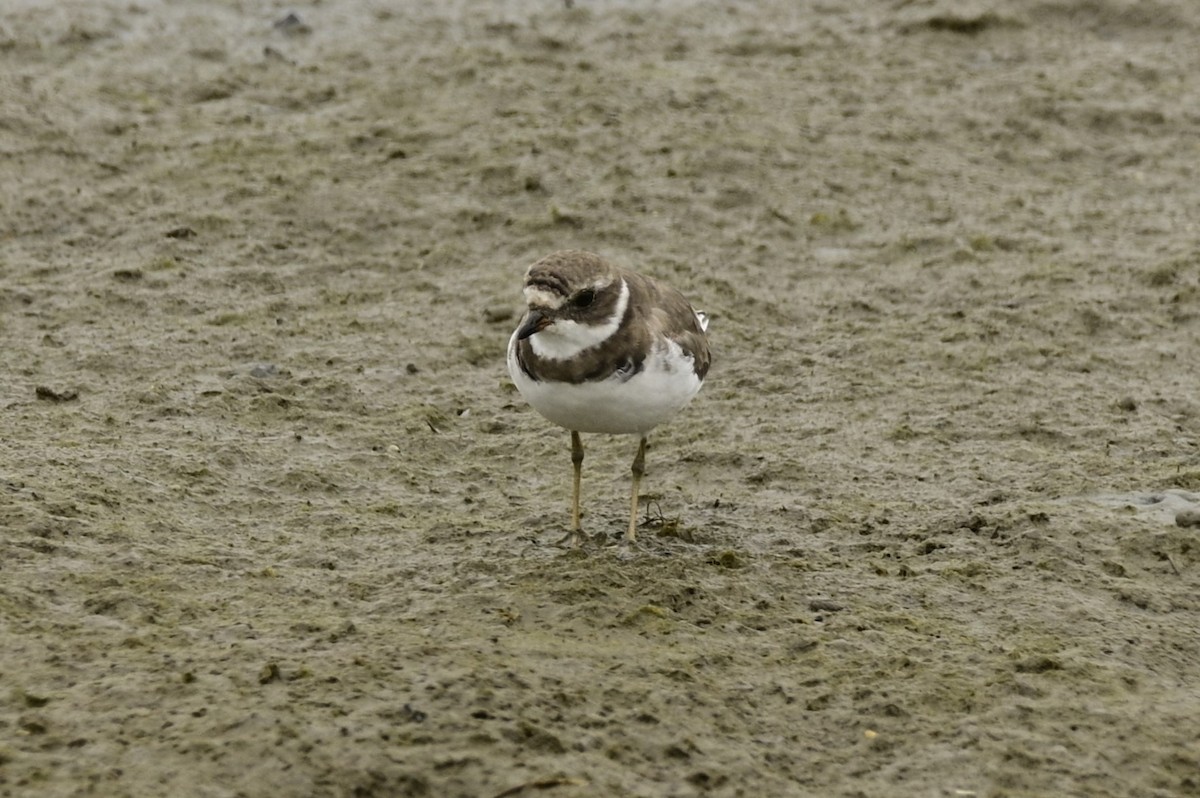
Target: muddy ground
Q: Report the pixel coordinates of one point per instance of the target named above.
(274, 522)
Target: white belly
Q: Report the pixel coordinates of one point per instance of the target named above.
(634, 406)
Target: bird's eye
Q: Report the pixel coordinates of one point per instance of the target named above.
(584, 298)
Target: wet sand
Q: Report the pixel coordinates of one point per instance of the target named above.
(276, 523)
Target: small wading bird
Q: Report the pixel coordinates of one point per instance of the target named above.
(602, 349)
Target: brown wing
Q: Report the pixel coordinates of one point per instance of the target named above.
(673, 316)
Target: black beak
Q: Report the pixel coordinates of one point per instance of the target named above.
(535, 322)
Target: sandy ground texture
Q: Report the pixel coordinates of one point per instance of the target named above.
(273, 522)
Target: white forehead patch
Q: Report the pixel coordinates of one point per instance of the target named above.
(564, 339)
(540, 298)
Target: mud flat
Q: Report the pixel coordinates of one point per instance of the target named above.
(275, 523)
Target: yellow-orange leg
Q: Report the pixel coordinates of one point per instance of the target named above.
(576, 533)
(638, 468)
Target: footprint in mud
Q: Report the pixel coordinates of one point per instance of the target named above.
(1177, 507)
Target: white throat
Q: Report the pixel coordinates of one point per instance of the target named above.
(565, 339)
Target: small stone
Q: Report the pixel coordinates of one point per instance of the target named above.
(35, 701)
(1113, 568)
(496, 314)
(269, 673)
(727, 559)
(263, 370)
(1127, 403)
(1038, 664)
(51, 395)
(32, 724)
(292, 25)
(1187, 518)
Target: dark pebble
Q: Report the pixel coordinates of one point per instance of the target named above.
(51, 395)
(292, 25)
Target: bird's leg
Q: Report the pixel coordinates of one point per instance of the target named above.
(576, 461)
(638, 468)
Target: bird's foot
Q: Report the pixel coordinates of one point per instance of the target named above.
(632, 543)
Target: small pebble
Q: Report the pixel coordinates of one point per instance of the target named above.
(51, 395)
(498, 313)
(1187, 518)
(1127, 403)
(292, 25)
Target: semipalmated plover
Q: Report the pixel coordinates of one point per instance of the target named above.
(602, 349)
